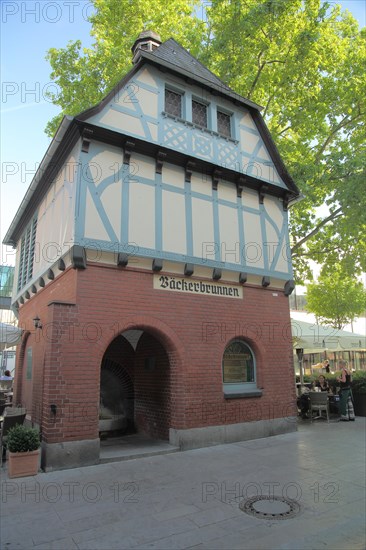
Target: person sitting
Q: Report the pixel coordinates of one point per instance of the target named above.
(6, 376)
(6, 381)
(303, 402)
(322, 383)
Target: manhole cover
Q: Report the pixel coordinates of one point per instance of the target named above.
(266, 507)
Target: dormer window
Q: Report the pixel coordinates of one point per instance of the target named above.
(199, 114)
(224, 124)
(173, 103)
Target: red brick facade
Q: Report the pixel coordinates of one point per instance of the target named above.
(176, 368)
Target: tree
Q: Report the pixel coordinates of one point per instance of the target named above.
(336, 299)
(85, 75)
(304, 61)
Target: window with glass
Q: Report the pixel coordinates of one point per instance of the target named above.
(173, 103)
(223, 124)
(27, 248)
(238, 368)
(199, 114)
(29, 364)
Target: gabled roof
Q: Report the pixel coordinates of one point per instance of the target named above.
(171, 56)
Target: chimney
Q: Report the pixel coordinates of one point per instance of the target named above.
(147, 41)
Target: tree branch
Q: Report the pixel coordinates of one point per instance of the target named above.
(339, 126)
(267, 105)
(332, 216)
(260, 69)
(284, 130)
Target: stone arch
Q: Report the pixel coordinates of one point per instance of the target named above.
(175, 352)
(19, 370)
(117, 388)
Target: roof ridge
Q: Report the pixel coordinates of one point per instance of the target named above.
(198, 61)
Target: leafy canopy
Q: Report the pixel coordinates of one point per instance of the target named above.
(336, 299)
(303, 60)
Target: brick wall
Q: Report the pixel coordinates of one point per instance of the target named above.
(187, 335)
(152, 388)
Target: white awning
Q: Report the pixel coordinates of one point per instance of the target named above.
(9, 336)
(311, 337)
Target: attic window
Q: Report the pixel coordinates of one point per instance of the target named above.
(173, 103)
(223, 124)
(199, 114)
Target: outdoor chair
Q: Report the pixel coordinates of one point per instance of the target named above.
(318, 401)
(2, 405)
(6, 385)
(11, 418)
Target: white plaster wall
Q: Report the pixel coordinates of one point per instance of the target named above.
(202, 223)
(142, 215)
(173, 175)
(174, 223)
(253, 249)
(107, 171)
(56, 216)
(229, 235)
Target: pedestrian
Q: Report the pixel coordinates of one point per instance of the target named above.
(326, 366)
(345, 393)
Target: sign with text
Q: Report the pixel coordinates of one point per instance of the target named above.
(179, 284)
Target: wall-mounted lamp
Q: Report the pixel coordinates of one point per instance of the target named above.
(300, 353)
(53, 409)
(37, 322)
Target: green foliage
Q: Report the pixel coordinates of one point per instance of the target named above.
(85, 75)
(358, 384)
(21, 439)
(336, 299)
(303, 60)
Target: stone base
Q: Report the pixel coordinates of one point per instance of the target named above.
(69, 454)
(217, 435)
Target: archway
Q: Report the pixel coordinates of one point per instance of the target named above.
(135, 386)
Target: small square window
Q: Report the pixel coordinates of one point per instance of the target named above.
(199, 114)
(223, 124)
(173, 103)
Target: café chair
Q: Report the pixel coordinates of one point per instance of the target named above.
(318, 401)
(11, 418)
(6, 385)
(2, 405)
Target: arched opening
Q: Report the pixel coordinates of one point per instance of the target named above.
(135, 387)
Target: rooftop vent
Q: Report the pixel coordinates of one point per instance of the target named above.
(147, 41)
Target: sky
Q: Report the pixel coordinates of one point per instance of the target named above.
(28, 30)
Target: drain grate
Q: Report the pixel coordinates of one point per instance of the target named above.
(270, 507)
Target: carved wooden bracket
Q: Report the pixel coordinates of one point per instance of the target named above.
(261, 193)
(129, 147)
(240, 184)
(286, 200)
(159, 161)
(216, 175)
(85, 146)
(188, 170)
